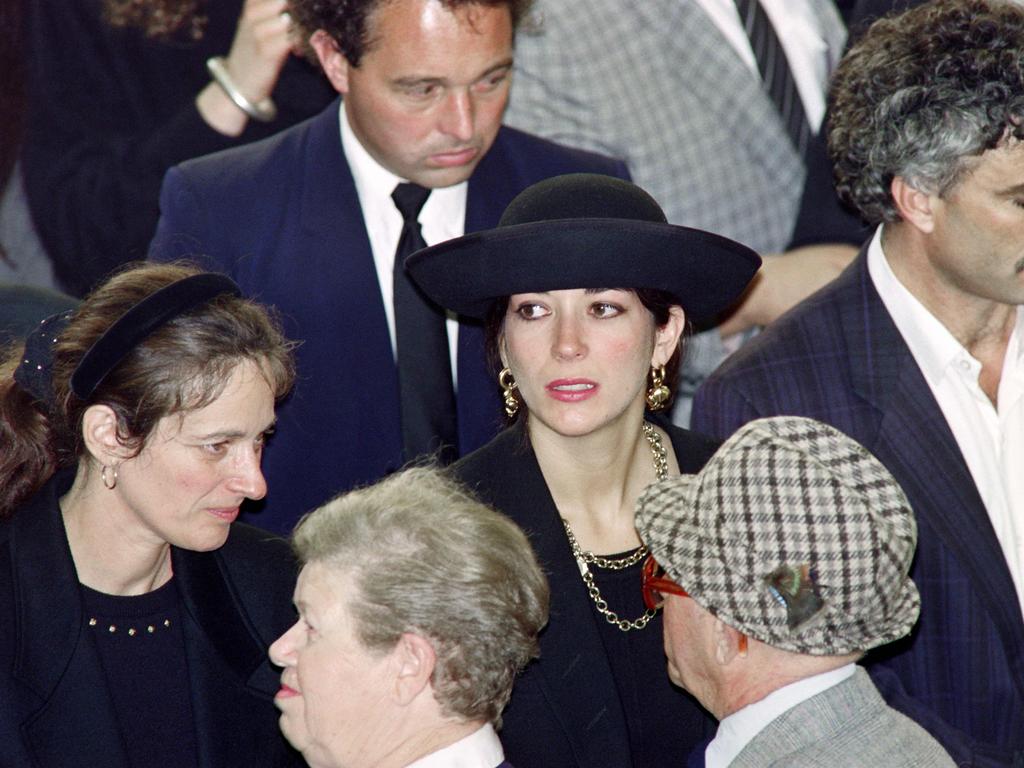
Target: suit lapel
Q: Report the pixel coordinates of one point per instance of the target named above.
(75, 725)
(913, 434)
(335, 250)
(575, 675)
(491, 189)
(734, 97)
(223, 658)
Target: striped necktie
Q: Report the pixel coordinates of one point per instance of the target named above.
(776, 75)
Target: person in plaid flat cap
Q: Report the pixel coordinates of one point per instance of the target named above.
(780, 565)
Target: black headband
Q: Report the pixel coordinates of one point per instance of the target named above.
(34, 373)
(129, 330)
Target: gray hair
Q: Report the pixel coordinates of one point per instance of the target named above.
(426, 557)
(922, 96)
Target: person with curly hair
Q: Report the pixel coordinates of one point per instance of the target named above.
(917, 350)
(121, 90)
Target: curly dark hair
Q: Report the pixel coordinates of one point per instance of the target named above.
(922, 95)
(158, 19)
(347, 21)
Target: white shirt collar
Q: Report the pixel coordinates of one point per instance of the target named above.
(739, 729)
(934, 348)
(442, 217)
(481, 749)
(798, 27)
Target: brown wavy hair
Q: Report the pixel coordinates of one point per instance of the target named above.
(182, 366)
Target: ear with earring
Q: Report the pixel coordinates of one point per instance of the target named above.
(657, 393)
(109, 476)
(508, 391)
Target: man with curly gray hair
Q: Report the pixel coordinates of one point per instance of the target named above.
(418, 605)
(917, 350)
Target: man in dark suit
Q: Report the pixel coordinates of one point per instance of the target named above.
(916, 349)
(305, 221)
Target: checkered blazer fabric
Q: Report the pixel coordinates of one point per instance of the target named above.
(839, 358)
(845, 726)
(657, 85)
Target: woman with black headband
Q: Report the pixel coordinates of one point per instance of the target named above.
(136, 615)
(584, 290)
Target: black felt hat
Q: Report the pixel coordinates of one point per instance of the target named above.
(584, 230)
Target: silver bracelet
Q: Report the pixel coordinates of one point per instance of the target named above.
(263, 110)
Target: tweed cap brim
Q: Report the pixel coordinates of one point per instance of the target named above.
(585, 231)
(794, 499)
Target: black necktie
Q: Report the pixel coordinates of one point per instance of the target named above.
(424, 368)
(775, 72)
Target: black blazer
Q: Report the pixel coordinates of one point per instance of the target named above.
(565, 709)
(55, 709)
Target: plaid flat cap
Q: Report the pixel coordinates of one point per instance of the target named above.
(794, 534)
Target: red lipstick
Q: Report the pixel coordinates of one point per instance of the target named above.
(571, 390)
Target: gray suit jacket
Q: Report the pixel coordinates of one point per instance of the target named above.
(847, 726)
(656, 84)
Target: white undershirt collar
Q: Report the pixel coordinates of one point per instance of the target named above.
(739, 729)
(481, 749)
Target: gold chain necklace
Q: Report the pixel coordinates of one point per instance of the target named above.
(584, 559)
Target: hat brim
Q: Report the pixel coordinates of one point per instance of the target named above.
(705, 272)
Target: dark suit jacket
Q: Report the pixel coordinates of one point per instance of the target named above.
(839, 358)
(56, 710)
(565, 709)
(282, 217)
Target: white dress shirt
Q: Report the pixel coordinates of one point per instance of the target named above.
(990, 437)
(739, 729)
(798, 32)
(481, 749)
(442, 218)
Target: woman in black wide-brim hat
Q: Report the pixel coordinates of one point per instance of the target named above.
(585, 289)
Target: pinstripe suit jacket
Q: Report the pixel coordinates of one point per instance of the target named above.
(845, 726)
(657, 84)
(839, 358)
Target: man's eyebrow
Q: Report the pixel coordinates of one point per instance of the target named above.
(407, 82)
(414, 80)
(505, 64)
(1015, 190)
